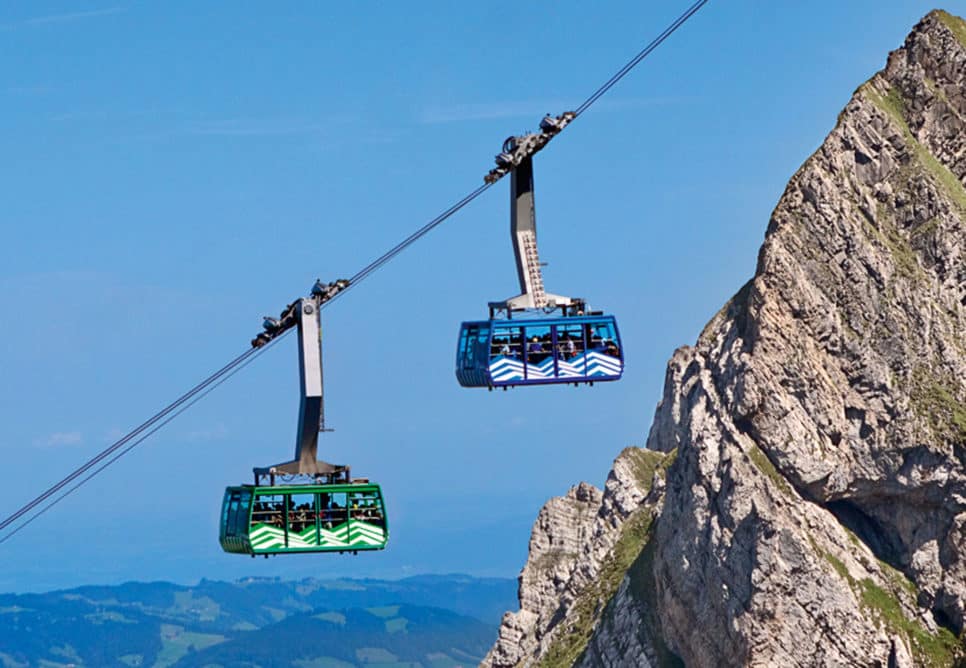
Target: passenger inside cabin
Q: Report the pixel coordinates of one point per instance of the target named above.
(301, 517)
(292, 514)
(335, 515)
(367, 511)
(535, 351)
(567, 348)
(500, 347)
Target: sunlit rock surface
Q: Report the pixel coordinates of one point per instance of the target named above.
(802, 498)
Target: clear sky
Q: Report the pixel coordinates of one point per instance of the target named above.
(173, 171)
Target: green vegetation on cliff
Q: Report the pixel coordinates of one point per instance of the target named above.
(930, 649)
(571, 642)
(934, 400)
(894, 106)
(954, 23)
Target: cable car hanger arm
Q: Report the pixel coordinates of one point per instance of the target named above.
(304, 314)
(523, 232)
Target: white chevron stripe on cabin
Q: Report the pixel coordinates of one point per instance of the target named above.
(589, 364)
(264, 536)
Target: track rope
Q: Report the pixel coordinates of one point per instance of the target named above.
(111, 454)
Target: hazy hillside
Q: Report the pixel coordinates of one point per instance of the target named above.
(427, 620)
(392, 635)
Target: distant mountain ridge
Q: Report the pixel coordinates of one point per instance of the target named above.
(392, 635)
(439, 620)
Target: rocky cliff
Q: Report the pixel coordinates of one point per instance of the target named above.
(802, 497)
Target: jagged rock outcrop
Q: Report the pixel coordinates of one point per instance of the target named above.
(815, 509)
(580, 547)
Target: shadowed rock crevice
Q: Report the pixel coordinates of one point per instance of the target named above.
(883, 543)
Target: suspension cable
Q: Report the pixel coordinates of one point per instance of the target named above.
(132, 439)
(131, 445)
(641, 55)
(610, 83)
(122, 446)
(411, 239)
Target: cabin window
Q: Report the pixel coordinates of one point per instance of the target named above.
(239, 525)
(366, 506)
(301, 512)
(468, 346)
(482, 341)
(268, 509)
(598, 334)
(332, 509)
(232, 512)
(539, 344)
(602, 338)
(461, 350)
(570, 349)
(507, 341)
(605, 338)
(226, 504)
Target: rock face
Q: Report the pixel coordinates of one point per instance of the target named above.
(806, 497)
(580, 548)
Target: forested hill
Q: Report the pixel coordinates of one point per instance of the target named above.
(437, 621)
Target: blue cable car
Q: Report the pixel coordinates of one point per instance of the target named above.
(504, 353)
(576, 346)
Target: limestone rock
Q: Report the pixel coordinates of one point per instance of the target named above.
(811, 505)
(570, 573)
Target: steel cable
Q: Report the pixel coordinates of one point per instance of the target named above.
(408, 241)
(198, 397)
(144, 430)
(641, 55)
(610, 83)
(202, 389)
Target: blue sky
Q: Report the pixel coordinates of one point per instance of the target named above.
(174, 171)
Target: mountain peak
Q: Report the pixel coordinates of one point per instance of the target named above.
(810, 507)
(952, 22)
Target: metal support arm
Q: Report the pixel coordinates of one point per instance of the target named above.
(305, 314)
(523, 232)
(517, 161)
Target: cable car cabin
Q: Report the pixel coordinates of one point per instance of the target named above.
(574, 349)
(303, 518)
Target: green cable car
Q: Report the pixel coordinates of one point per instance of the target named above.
(318, 507)
(303, 518)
